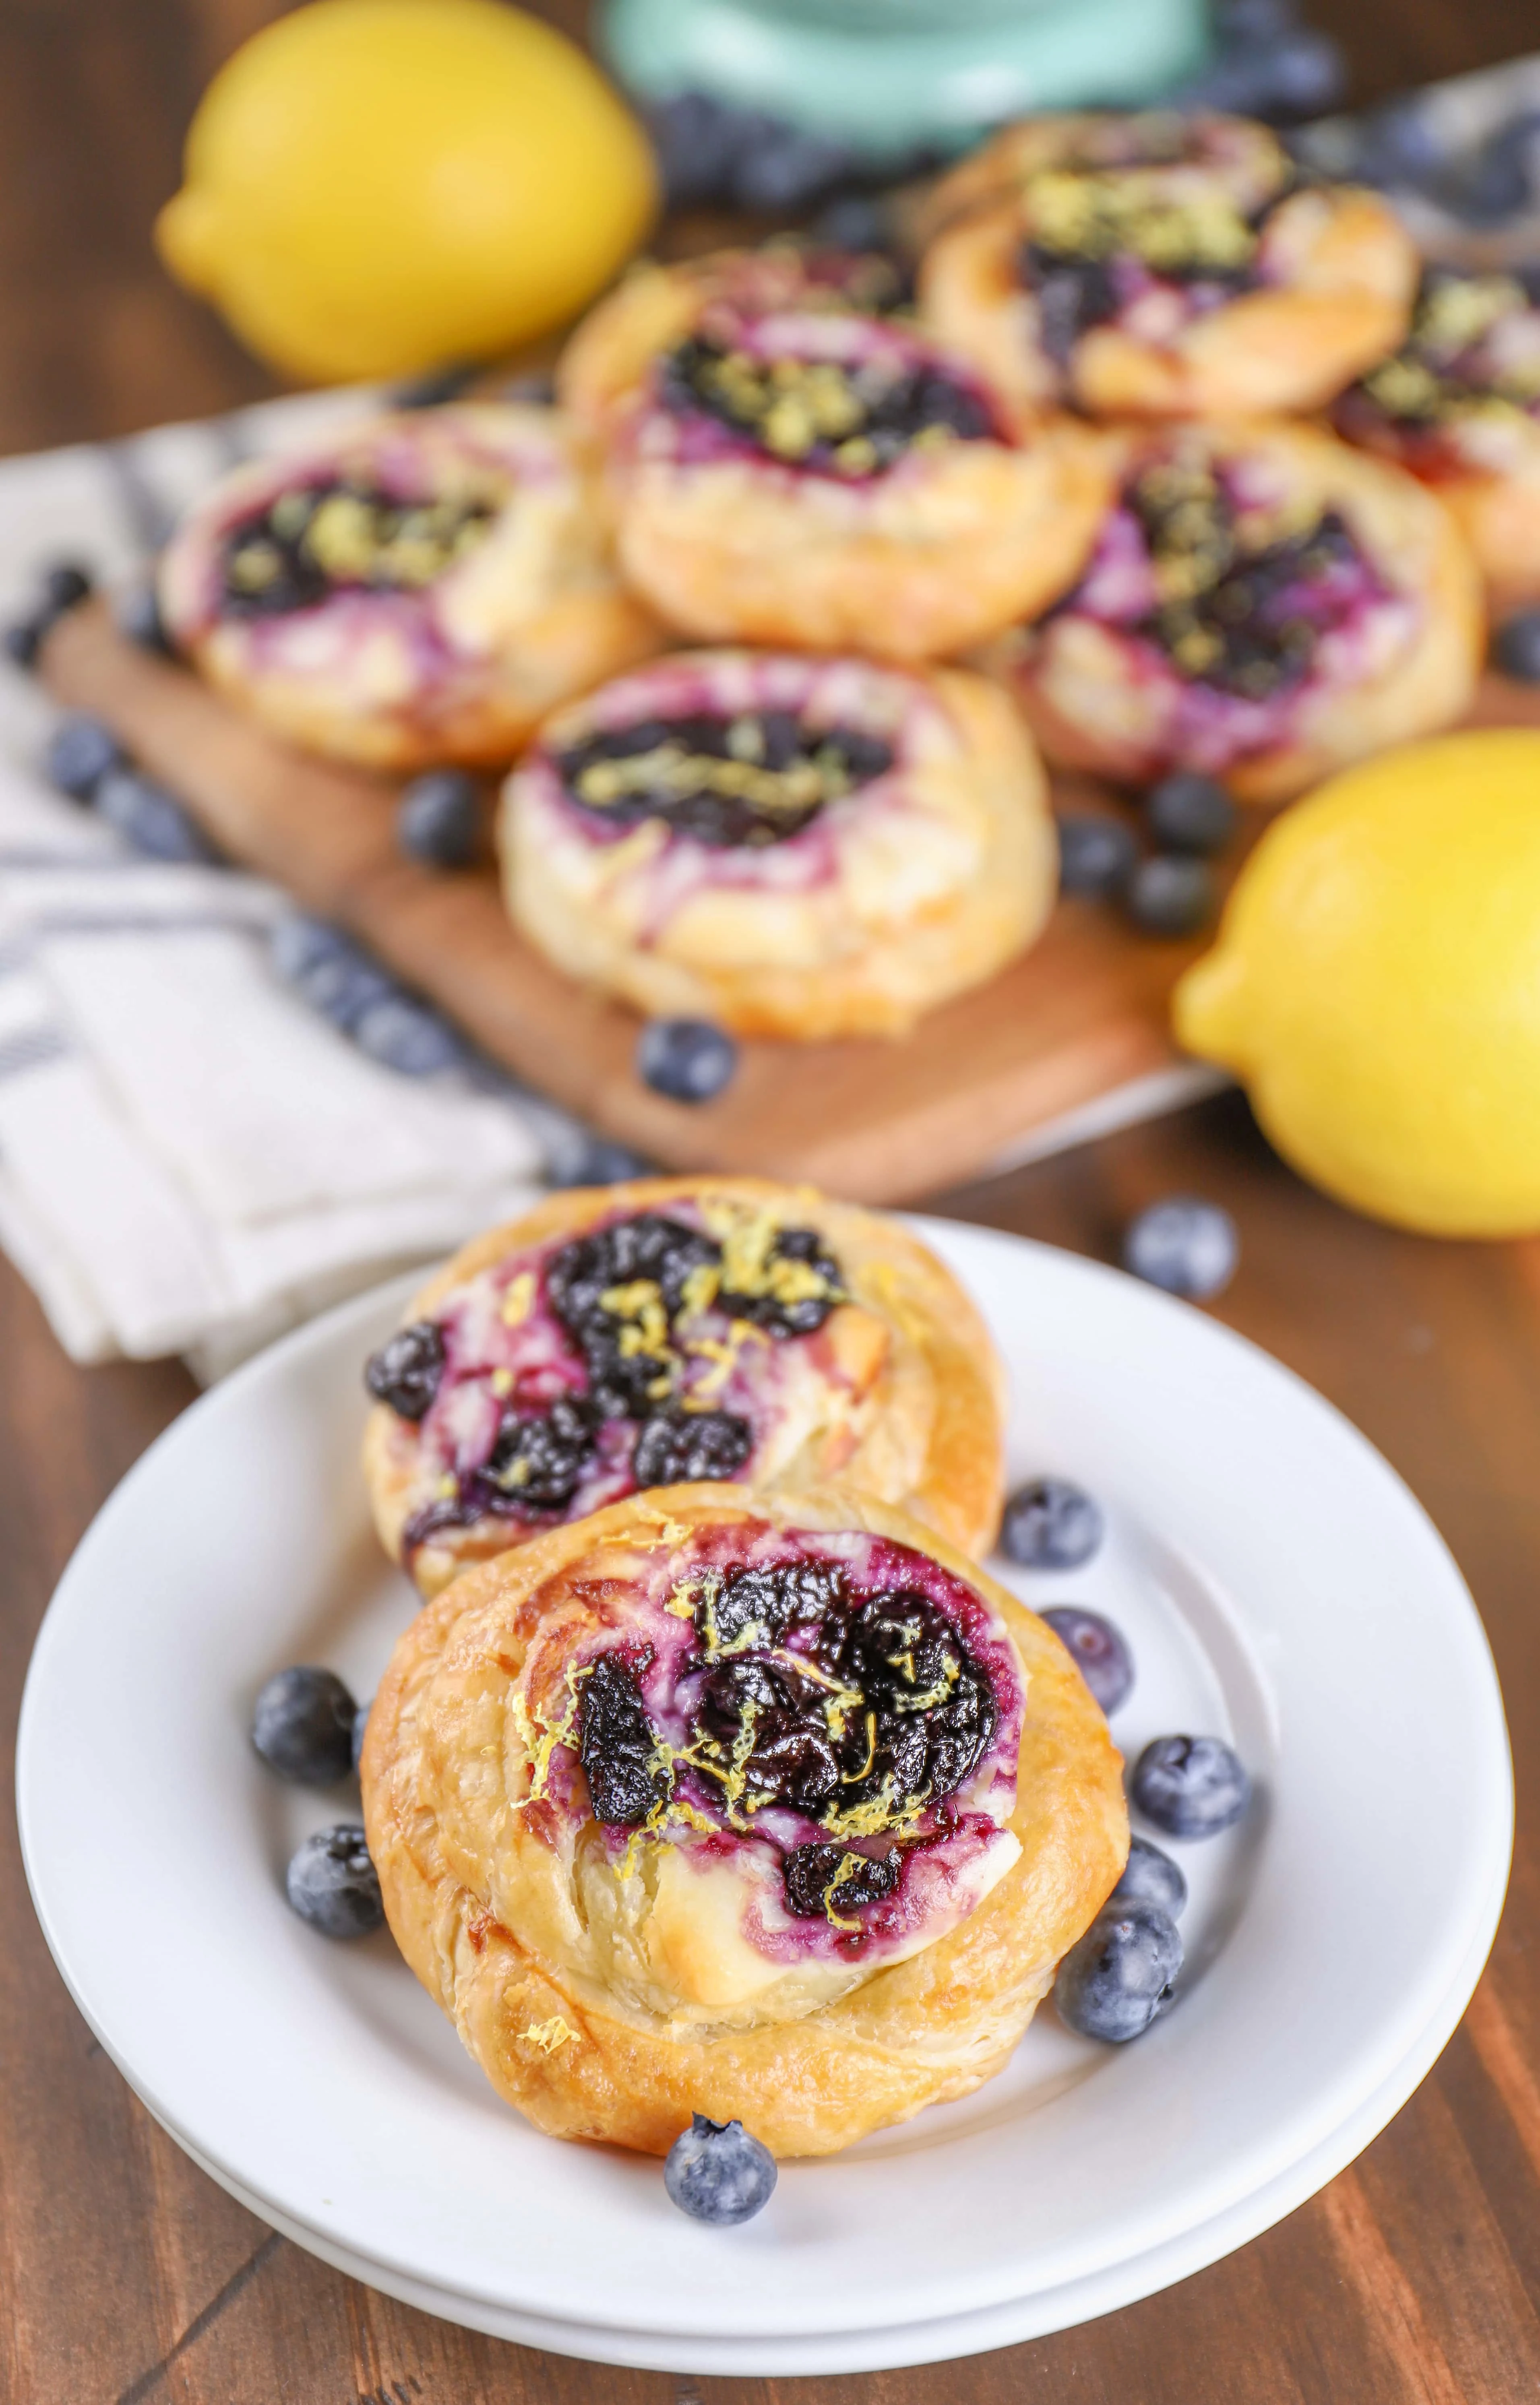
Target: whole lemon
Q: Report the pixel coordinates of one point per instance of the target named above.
(1376, 986)
(377, 186)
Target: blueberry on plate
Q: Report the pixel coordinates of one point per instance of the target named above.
(438, 819)
(408, 1036)
(715, 2172)
(1172, 894)
(1096, 854)
(1190, 813)
(406, 1369)
(1051, 1524)
(332, 1884)
(1098, 1650)
(137, 613)
(151, 818)
(687, 1059)
(23, 640)
(783, 168)
(1515, 647)
(1184, 1246)
(1150, 1877)
(1121, 1974)
(300, 944)
(303, 1726)
(1191, 1786)
(696, 137)
(64, 585)
(80, 753)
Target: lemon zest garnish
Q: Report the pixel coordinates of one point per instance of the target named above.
(848, 1863)
(550, 2036)
(501, 1383)
(681, 1603)
(448, 1485)
(849, 1778)
(519, 1302)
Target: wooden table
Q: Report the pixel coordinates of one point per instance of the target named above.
(125, 2274)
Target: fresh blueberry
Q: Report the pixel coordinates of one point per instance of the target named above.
(1515, 647)
(1190, 813)
(1150, 1877)
(408, 1036)
(1400, 145)
(152, 820)
(687, 1059)
(80, 752)
(23, 640)
(1121, 1975)
(783, 168)
(1050, 1525)
(360, 1730)
(300, 944)
(332, 1884)
(303, 1726)
(1239, 23)
(137, 613)
(1183, 1245)
(430, 391)
(1498, 183)
(1170, 894)
(65, 586)
(329, 971)
(1099, 1651)
(1095, 854)
(696, 138)
(589, 1159)
(438, 819)
(1191, 1786)
(715, 2172)
(855, 221)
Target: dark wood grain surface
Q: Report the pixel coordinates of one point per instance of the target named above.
(125, 2275)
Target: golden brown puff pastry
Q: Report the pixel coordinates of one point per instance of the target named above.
(420, 588)
(787, 468)
(1264, 605)
(792, 845)
(1161, 266)
(768, 1807)
(1459, 405)
(668, 1330)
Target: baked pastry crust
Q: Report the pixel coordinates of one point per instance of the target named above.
(731, 538)
(899, 1391)
(462, 660)
(603, 1982)
(902, 891)
(1397, 652)
(1308, 286)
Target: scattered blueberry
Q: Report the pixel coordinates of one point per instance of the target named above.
(1191, 1786)
(715, 2172)
(687, 1059)
(138, 616)
(406, 1369)
(303, 1726)
(408, 1036)
(1097, 856)
(696, 138)
(80, 752)
(342, 983)
(360, 1730)
(1399, 144)
(300, 944)
(709, 149)
(1150, 1877)
(1499, 181)
(1099, 1651)
(23, 640)
(1184, 1246)
(332, 1884)
(786, 168)
(589, 1159)
(1190, 813)
(1238, 23)
(65, 586)
(1121, 1975)
(855, 221)
(1515, 647)
(152, 820)
(1170, 894)
(1285, 74)
(1050, 1525)
(438, 819)
(438, 385)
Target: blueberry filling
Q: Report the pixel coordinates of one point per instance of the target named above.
(538, 1462)
(1445, 372)
(675, 1446)
(617, 1747)
(844, 421)
(755, 778)
(1100, 241)
(314, 540)
(406, 1369)
(821, 1880)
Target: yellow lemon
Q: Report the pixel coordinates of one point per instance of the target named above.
(377, 186)
(1376, 986)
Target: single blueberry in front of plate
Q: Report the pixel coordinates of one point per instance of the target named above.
(65, 586)
(1184, 1246)
(1097, 856)
(332, 1884)
(1150, 1877)
(1100, 1651)
(715, 2172)
(1190, 813)
(1172, 894)
(438, 819)
(303, 1726)
(1191, 1786)
(1515, 647)
(687, 1059)
(80, 752)
(1121, 1974)
(1051, 1524)
(408, 1036)
(151, 818)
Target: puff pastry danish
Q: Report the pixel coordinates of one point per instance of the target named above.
(1460, 406)
(793, 846)
(792, 465)
(1264, 605)
(421, 587)
(1161, 265)
(674, 1329)
(770, 1807)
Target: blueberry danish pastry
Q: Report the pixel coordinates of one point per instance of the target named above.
(789, 845)
(1264, 605)
(792, 464)
(1460, 406)
(1161, 265)
(768, 1807)
(421, 588)
(676, 1329)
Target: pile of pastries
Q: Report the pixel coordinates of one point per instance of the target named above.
(1170, 460)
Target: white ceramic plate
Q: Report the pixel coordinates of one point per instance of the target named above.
(1280, 1587)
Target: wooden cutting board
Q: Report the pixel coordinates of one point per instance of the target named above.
(1082, 1015)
